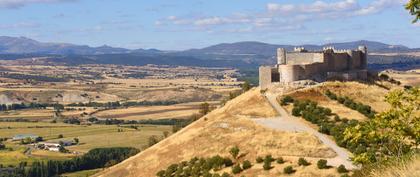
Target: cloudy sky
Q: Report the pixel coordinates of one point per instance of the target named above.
(183, 24)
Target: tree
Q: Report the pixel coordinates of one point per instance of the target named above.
(392, 133)
(153, 140)
(246, 164)
(204, 108)
(414, 7)
(322, 164)
(288, 170)
(234, 151)
(246, 86)
(303, 162)
(236, 169)
(76, 140)
(342, 169)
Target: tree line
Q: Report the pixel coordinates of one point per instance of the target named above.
(95, 158)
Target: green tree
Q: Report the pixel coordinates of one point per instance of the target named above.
(234, 151)
(246, 86)
(392, 133)
(204, 108)
(413, 6)
(246, 164)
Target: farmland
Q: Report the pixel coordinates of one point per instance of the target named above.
(64, 103)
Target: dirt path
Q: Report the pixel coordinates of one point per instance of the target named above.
(285, 122)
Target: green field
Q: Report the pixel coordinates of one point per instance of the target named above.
(93, 136)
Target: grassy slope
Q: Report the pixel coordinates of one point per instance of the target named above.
(223, 128)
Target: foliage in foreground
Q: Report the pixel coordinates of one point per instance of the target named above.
(392, 133)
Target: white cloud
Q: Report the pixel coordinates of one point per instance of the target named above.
(283, 16)
(13, 4)
(377, 6)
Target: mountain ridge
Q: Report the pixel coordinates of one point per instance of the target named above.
(24, 45)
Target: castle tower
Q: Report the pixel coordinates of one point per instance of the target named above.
(363, 62)
(281, 56)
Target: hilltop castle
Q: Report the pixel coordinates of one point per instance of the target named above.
(315, 65)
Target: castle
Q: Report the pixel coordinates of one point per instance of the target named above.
(319, 66)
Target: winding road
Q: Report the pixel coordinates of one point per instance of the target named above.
(285, 122)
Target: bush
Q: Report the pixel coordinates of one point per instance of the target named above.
(296, 112)
(228, 162)
(246, 164)
(286, 100)
(289, 170)
(345, 175)
(234, 152)
(322, 164)
(225, 174)
(342, 169)
(269, 158)
(259, 160)
(280, 160)
(303, 162)
(267, 165)
(236, 169)
(60, 136)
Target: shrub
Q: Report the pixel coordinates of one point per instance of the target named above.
(289, 170)
(303, 162)
(267, 165)
(161, 173)
(269, 158)
(342, 169)
(234, 151)
(236, 169)
(225, 174)
(322, 164)
(259, 160)
(296, 112)
(345, 175)
(280, 160)
(286, 100)
(60, 136)
(246, 164)
(228, 162)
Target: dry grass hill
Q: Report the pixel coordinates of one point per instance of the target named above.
(224, 128)
(232, 125)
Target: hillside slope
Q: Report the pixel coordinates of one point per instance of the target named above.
(222, 129)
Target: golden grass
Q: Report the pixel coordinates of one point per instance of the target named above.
(317, 94)
(150, 112)
(409, 167)
(217, 132)
(371, 95)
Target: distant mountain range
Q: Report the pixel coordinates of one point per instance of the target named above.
(23, 45)
(238, 55)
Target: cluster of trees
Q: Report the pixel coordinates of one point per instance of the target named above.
(385, 77)
(350, 103)
(198, 167)
(393, 133)
(14, 106)
(209, 167)
(124, 104)
(95, 158)
(33, 77)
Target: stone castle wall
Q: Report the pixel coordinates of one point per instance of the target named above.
(319, 66)
(304, 58)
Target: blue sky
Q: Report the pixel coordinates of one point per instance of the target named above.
(184, 24)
